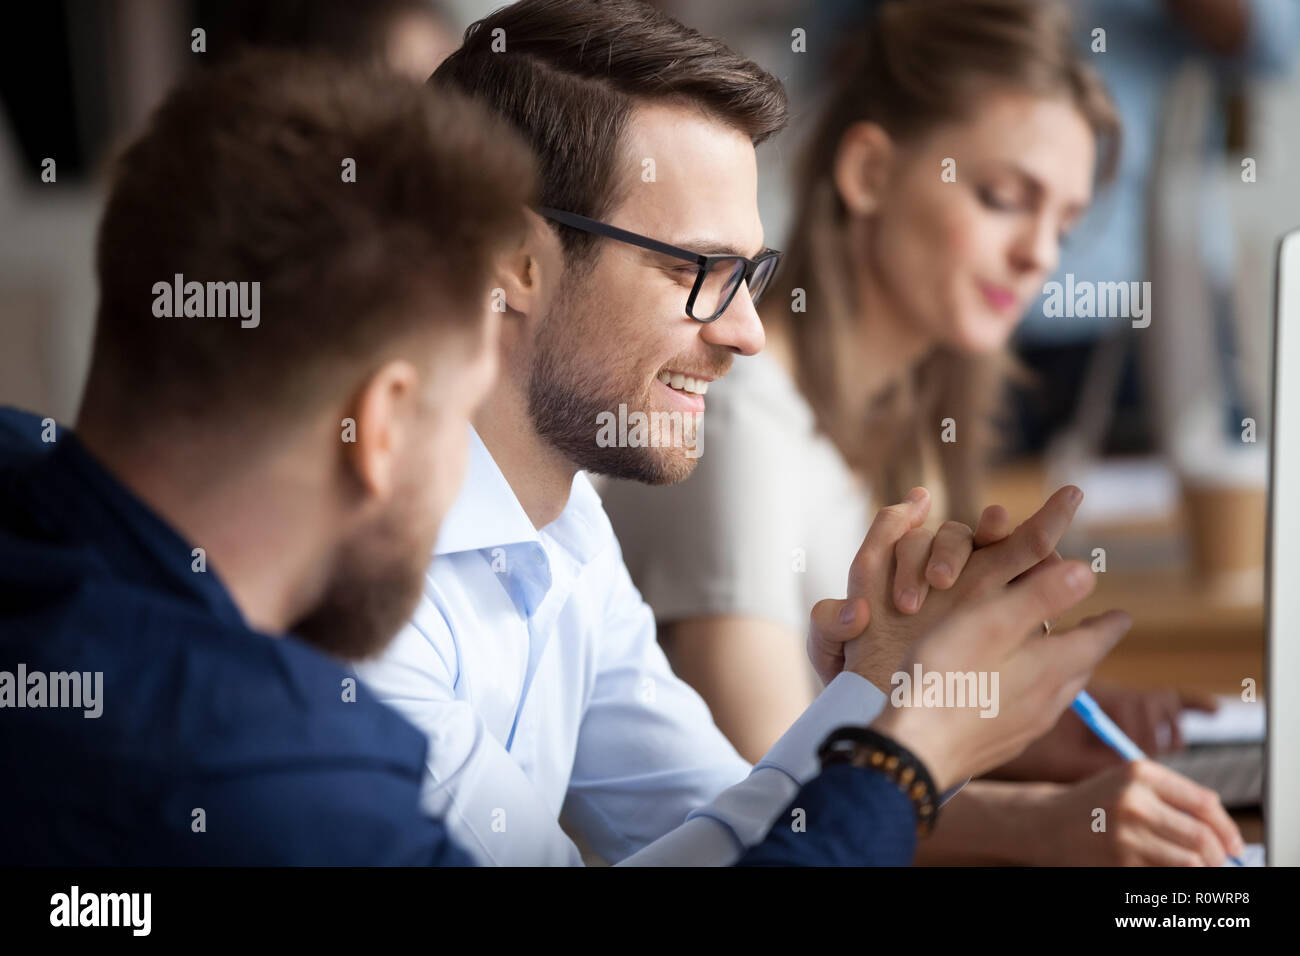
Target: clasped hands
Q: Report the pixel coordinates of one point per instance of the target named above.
(977, 600)
(963, 600)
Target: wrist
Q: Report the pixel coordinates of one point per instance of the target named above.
(1032, 805)
(996, 824)
(905, 726)
(871, 750)
(872, 666)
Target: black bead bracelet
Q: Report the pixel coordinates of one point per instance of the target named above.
(863, 747)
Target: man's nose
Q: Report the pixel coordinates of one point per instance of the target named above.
(739, 328)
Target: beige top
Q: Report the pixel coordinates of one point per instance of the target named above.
(767, 524)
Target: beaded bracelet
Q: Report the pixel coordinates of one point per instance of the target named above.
(863, 747)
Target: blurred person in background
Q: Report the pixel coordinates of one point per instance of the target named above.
(913, 281)
(410, 37)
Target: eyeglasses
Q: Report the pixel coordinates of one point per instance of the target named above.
(718, 277)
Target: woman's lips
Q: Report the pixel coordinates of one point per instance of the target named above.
(1000, 298)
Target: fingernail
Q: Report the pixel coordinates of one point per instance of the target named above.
(846, 614)
(1075, 496)
(1077, 577)
(942, 569)
(910, 599)
(916, 494)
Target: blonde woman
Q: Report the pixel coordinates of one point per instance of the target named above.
(961, 142)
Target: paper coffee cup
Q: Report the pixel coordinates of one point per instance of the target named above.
(1225, 500)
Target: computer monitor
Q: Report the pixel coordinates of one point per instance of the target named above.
(1282, 596)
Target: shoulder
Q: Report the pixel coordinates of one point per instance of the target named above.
(215, 689)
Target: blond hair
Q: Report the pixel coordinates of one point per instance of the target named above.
(917, 64)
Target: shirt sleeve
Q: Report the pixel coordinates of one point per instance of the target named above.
(648, 752)
(740, 817)
(846, 816)
(472, 783)
(650, 757)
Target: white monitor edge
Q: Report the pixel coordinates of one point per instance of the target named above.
(1282, 595)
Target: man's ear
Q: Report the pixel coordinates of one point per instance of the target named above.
(529, 268)
(385, 411)
(862, 162)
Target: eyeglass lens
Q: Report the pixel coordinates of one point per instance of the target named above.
(721, 282)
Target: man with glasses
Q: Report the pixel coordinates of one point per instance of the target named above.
(531, 661)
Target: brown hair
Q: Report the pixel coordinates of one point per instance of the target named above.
(917, 64)
(571, 73)
(239, 177)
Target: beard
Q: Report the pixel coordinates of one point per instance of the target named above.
(565, 401)
(372, 589)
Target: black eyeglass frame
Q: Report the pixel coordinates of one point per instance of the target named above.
(704, 262)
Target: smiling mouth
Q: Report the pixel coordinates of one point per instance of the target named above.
(684, 383)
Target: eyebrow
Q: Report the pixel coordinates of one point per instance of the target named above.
(712, 247)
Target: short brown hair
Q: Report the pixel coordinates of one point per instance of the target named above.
(239, 177)
(573, 70)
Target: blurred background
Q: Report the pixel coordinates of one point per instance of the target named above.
(1165, 427)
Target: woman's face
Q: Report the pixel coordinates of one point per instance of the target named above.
(964, 225)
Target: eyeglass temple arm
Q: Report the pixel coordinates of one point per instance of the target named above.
(622, 235)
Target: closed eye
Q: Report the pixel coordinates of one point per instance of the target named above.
(993, 200)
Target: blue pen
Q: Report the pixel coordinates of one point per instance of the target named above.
(1099, 723)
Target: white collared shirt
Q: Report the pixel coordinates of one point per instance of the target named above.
(532, 665)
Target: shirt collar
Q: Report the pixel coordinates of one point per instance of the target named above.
(487, 514)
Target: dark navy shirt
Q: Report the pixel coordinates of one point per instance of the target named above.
(215, 744)
(851, 816)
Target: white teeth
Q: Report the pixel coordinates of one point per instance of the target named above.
(684, 383)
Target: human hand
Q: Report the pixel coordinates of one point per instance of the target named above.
(1037, 675)
(1152, 817)
(922, 559)
(1031, 547)
(1070, 751)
